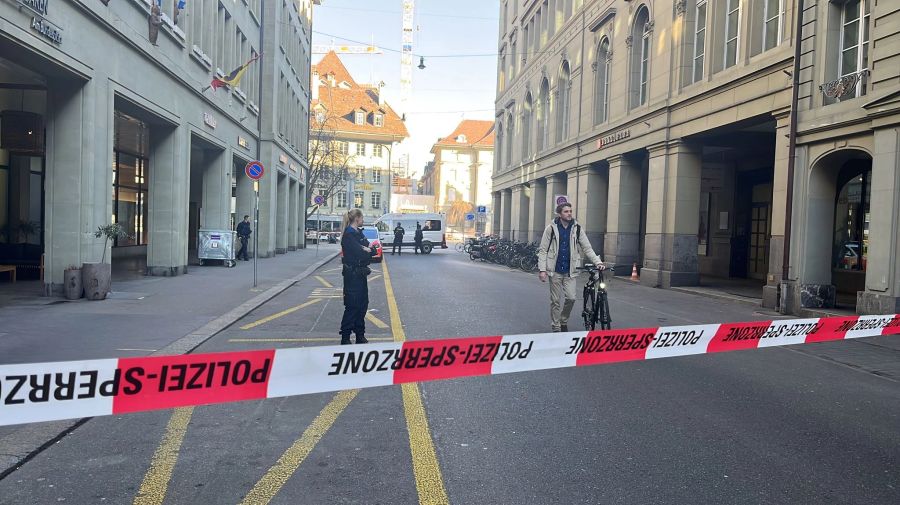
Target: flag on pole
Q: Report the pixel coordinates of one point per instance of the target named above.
(232, 79)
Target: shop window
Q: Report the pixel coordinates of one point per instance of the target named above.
(851, 219)
(130, 179)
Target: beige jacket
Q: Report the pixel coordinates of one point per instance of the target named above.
(579, 245)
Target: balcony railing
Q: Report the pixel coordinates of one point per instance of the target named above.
(848, 86)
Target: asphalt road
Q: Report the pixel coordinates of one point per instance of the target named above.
(809, 424)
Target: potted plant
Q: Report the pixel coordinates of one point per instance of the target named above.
(97, 277)
(72, 282)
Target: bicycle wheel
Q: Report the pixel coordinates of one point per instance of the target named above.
(588, 314)
(603, 312)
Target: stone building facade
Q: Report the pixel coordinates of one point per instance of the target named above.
(668, 125)
(108, 116)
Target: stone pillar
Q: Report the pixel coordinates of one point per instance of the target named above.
(216, 190)
(245, 202)
(281, 215)
(623, 225)
(779, 209)
(78, 177)
(496, 212)
(673, 216)
(590, 204)
(537, 209)
(293, 214)
(557, 184)
(267, 214)
(882, 294)
(505, 213)
(169, 191)
(521, 205)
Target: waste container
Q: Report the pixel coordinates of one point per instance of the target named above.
(217, 245)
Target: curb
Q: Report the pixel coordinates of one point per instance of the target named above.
(31, 440)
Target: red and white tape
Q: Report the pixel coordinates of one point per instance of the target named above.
(75, 389)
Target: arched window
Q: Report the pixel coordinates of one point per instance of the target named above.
(543, 113)
(526, 127)
(562, 105)
(601, 80)
(640, 57)
(510, 135)
(851, 217)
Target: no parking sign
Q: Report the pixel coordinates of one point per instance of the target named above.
(255, 170)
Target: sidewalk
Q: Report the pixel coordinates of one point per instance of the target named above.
(141, 316)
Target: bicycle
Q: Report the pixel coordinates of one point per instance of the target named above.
(596, 302)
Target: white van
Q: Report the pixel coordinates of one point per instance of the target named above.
(433, 230)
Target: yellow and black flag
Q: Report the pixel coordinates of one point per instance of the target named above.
(234, 78)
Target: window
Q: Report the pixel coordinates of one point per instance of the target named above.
(498, 157)
(514, 64)
(851, 218)
(358, 199)
(601, 79)
(378, 150)
(360, 118)
(526, 127)
(376, 175)
(360, 149)
(342, 147)
(341, 198)
(461, 139)
(732, 25)
(543, 109)
(510, 129)
(360, 174)
(130, 181)
(854, 43)
(640, 57)
(562, 107)
(376, 200)
(320, 117)
(379, 120)
(772, 25)
(699, 40)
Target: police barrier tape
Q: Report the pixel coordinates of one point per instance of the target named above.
(75, 389)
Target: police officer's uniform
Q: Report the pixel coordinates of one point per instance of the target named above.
(356, 286)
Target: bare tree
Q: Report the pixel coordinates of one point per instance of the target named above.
(329, 159)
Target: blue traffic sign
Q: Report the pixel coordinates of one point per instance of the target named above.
(470, 217)
(482, 209)
(255, 170)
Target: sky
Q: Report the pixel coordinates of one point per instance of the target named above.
(454, 84)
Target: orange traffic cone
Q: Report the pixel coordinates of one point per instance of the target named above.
(634, 274)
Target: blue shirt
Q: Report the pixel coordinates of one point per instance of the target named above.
(564, 257)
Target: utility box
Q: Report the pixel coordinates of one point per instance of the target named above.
(217, 245)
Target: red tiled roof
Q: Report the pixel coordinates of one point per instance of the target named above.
(478, 134)
(341, 104)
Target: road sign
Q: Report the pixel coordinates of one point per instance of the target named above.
(482, 209)
(255, 170)
(470, 217)
(561, 199)
(319, 200)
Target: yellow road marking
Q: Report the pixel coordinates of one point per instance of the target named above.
(324, 282)
(329, 339)
(377, 322)
(156, 481)
(287, 464)
(280, 314)
(429, 482)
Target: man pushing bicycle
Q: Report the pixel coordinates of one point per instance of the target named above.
(559, 255)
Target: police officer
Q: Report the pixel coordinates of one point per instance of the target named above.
(398, 240)
(418, 238)
(357, 256)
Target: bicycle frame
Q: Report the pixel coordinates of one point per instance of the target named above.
(596, 302)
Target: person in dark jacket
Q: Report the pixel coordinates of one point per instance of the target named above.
(356, 259)
(243, 233)
(398, 240)
(418, 239)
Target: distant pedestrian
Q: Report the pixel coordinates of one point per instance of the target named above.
(418, 238)
(559, 255)
(356, 258)
(243, 233)
(398, 240)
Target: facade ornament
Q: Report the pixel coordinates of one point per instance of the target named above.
(594, 66)
(648, 27)
(839, 88)
(680, 7)
(153, 22)
(629, 40)
(609, 55)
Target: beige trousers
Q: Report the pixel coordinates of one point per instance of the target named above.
(562, 298)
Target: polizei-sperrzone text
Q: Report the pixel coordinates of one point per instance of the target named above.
(424, 357)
